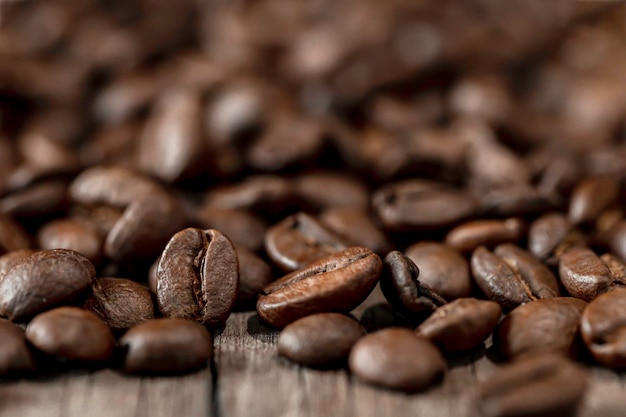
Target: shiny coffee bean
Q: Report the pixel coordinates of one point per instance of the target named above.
(44, 280)
(254, 275)
(583, 273)
(421, 204)
(120, 303)
(551, 235)
(336, 283)
(591, 197)
(400, 284)
(398, 359)
(71, 333)
(356, 227)
(470, 235)
(461, 325)
(166, 346)
(10, 259)
(539, 385)
(319, 339)
(299, 240)
(16, 357)
(78, 235)
(549, 325)
(603, 328)
(198, 277)
(442, 269)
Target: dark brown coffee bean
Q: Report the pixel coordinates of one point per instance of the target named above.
(400, 284)
(171, 146)
(319, 339)
(549, 325)
(442, 269)
(583, 274)
(420, 204)
(111, 145)
(537, 386)
(357, 227)
(12, 235)
(516, 200)
(166, 346)
(398, 359)
(254, 275)
(498, 280)
(591, 197)
(299, 240)
(15, 355)
(551, 235)
(461, 325)
(243, 228)
(603, 328)
(490, 233)
(539, 278)
(120, 302)
(336, 283)
(261, 192)
(102, 217)
(198, 277)
(617, 268)
(617, 239)
(78, 235)
(10, 259)
(71, 333)
(44, 280)
(327, 190)
(40, 199)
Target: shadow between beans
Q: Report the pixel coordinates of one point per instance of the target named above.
(259, 331)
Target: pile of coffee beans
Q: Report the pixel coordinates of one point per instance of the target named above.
(163, 163)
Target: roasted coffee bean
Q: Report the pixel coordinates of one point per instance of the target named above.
(442, 269)
(403, 290)
(166, 346)
(336, 283)
(617, 239)
(319, 339)
(38, 200)
(551, 235)
(44, 280)
(490, 233)
(254, 275)
(12, 235)
(71, 333)
(120, 302)
(517, 200)
(16, 357)
(421, 204)
(78, 235)
(617, 268)
(357, 227)
(261, 192)
(198, 277)
(398, 359)
(603, 328)
(540, 385)
(583, 274)
(591, 197)
(328, 190)
(299, 240)
(242, 227)
(461, 325)
(10, 259)
(549, 325)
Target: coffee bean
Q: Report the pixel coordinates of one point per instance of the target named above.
(12, 235)
(442, 269)
(267, 193)
(421, 204)
(400, 284)
(254, 275)
(551, 235)
(299, 240)
(38, 200)
(44, 280)
(356, 227)
(540, 385)
(398, 359)
(591, 197)
(549, 325)
(461, 325)
(583, 274)
(328, 190)
(166, 346)
(516, 201)
(242, 227)
(120, 303)
(10, 259)
(336, 283)
(603, 328)
(616, 239)
(469, 236)
(319, 339)
(16, 357)
(78, 235)
(198, 277)
(71, 333)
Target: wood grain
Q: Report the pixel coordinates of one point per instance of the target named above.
(248, 379)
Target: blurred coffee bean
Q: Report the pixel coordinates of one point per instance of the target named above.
(12, 235)
(468, 236)
(357, 227)
(516, 201)
(78, 235)
(326, 190)
(16, 357)
(113, 145)
(591, 197)
(551, 235)
(243, 228)
(38, 200)
(299, 240)
(254, 275)
(336, 283)
(259, 192)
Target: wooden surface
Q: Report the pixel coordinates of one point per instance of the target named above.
(248, 379)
